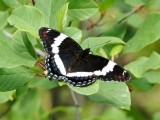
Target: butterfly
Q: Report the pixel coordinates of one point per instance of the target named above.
(67, 61)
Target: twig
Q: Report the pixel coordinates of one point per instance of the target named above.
(93, 24)
(76, 104)
(40, 52)
(33, 2)
(137, 9)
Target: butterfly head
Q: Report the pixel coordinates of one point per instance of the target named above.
(47, 34)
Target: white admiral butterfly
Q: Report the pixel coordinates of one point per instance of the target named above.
(66, 60)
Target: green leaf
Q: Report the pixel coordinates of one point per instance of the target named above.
(12, 3)
(13, 78)
(61, 16)
(80, 10)
(27, 18)
(117, 30)
(113, 93)
(134, 22)
(116, 50)
(153, 61)
(138, 66)
(5, 96)
(39, 45)
(143, 64)
(88, 90)
(140, 84)
(22, 2)
(49, 9)
(147, 34)
(31, 38)
(98, 42)
(45, 7)
(44, 83)
(4, 39)
(3, 19)
(10, 58)
(134, 2)
(152, 76)
(21, 91)
(74, 33)
(28, 45)
(22, 46)
(105, 4)
(3, 6)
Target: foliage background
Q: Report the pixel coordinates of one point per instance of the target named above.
(132, 27)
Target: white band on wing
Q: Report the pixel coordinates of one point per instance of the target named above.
(108, 68)
(55, 49)
(59, 64)
(57, 41)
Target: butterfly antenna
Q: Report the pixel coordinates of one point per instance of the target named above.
(100, 44)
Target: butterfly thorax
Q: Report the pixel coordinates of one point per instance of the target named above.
(79, 56)
(84, 53)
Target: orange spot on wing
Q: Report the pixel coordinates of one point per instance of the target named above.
(45, 35)
(120, 76)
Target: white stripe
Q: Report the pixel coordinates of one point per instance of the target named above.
(80, 74)
(55, 50)
(59, 64)
(98, 72)
(109, 67)
(57, 42)
(59, 39)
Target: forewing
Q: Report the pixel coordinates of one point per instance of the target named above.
(56, 42)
